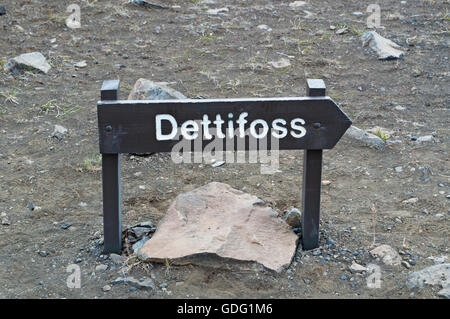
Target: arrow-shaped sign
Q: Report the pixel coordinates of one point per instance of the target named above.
(156, 126)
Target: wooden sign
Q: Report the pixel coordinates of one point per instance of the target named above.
(312, 123)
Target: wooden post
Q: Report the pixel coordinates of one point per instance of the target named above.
(112, 201)
(312, 179)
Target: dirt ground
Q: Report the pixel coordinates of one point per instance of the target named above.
(212, 56)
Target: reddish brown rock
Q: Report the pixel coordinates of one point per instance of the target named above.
(217, 220)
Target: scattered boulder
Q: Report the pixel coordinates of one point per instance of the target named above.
(357, 268)
(412, 200)
(217, 11)
(369, 139)
(101, 268)
(138, 232)
(385, 48)
(81, 64)
(117, 259)
(148, 90)
(445, 293)
(426, 138)
(293, 217)
(216, 220)
(438, 260)
(33, 61)
(297, 4)
(388, 255)
(143, 283)
(59, 132)
(282, 63)
(437, 275)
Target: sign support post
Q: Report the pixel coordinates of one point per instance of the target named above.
(312, 179)
(112, 211)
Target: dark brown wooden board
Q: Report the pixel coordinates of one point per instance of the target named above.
(129, 126)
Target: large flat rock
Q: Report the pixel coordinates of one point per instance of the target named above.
(216, 220)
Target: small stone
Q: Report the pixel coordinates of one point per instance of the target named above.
(437, 275)
(31, 206)
(264, 27)
(217, 11)
(388, 255)
(399, 169)
(385, 48)
(406, 264)
(34, 60)
(357, 268)
(218, 164)
(148, 90)
(445, 293)
(140, 231)
(330, 242)
(146, 283)
(5, 221)
(106, 288)
(297, 4)
(78, 260)
(133, 289)
(163, 285)
(59, 132)
(43, 253)
(369, 139)
(293, 218)
(411, 200)
(342, 30)
(117, 259)
(343, 277)
(81, 64)
(426, 138)
(65, 225)
(2, 10)
(101, 268)
(280, 64)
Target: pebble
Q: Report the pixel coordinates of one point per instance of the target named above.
(316, 252)
(426, 138)
(59, 132)
(293, 217)
(218, 164)
(43, 253)
(117, 259)
(163, 285)
(106, 288)
(65, 225)
(411, 200)
(101, 268)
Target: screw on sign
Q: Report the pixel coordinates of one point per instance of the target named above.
(311, 123)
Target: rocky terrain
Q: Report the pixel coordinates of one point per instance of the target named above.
(385, 195)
